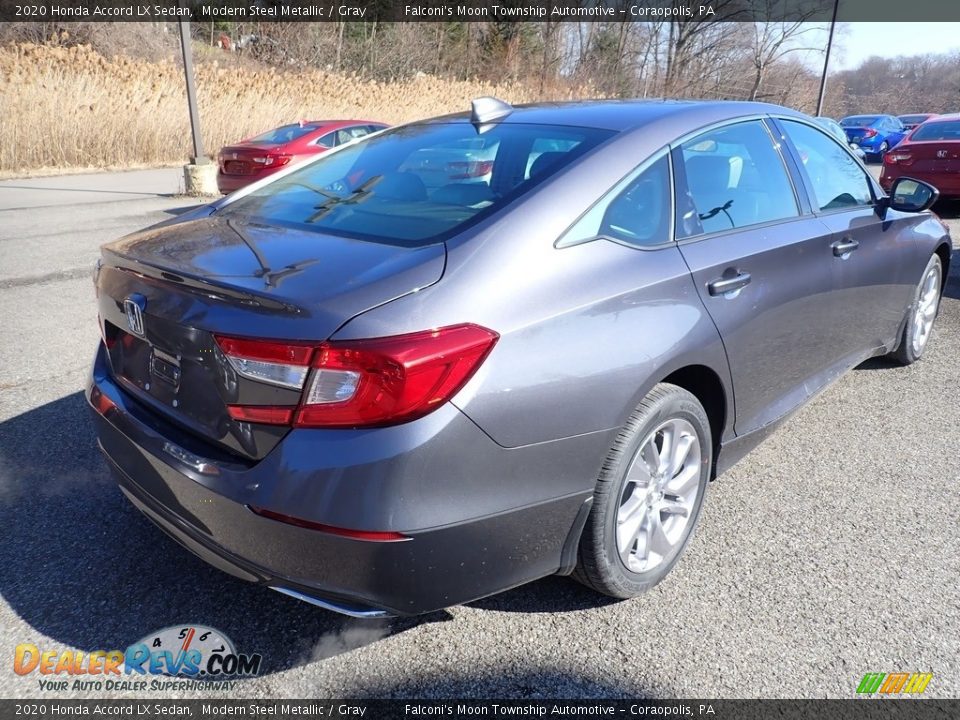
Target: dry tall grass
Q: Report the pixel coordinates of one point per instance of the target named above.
(74, 108)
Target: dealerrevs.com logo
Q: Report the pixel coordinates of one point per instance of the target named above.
(190, 656)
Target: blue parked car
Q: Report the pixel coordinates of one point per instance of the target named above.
(874, 133)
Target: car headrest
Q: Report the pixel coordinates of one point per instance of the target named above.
(544, 162)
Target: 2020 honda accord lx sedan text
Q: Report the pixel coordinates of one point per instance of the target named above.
(385, 395)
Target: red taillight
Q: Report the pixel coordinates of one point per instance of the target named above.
(101, 402)
(265, 414)
(466, 169)
(901, 158)
(275, 363)
(357, 383)
(370, 535)
(272, 160)
(869, 132)
(266, 351)
(391, 380)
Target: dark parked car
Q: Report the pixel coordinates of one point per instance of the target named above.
(260, 156)
(911, 121)
(876, 134)
(930, 153)
(385, 397)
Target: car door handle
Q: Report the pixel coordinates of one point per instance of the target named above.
(844, 247)
(724, 285)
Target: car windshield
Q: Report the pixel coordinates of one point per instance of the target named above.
(417, 184)
(859, 120)
(938, 131)
(913, 119)
(284, 134)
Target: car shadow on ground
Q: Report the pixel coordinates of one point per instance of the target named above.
(182, 210)
(81, 566)
(34, 188)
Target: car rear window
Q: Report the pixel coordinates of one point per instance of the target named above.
(913, 119)
(284, 134)
(949, 130)
(418, 184)
(859, 120)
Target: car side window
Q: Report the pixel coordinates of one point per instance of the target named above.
(838, 181)
(735, 177)
(345, 135)
(634, 212)
(329, 140)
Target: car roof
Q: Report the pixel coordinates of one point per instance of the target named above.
(940, 118)
(331, 123)
(621, 115)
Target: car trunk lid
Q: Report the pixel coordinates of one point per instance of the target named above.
(247, 158)
(933, 156)
(858, 134)
(165, 294)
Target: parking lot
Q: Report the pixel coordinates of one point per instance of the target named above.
(830, 552)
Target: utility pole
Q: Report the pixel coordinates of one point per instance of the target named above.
(200, 175)
(198, 157)
(826, 60)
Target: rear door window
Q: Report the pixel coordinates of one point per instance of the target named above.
(329, 140)
(838, 181)
(735, 177)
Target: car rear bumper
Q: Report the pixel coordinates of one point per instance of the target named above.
(870, 146)
(459, 547)
(228, 183)
(947, 183)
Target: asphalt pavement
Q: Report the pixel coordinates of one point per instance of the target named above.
(831, 551)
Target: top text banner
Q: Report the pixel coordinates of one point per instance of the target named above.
(611, 11)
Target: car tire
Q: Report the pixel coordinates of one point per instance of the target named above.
(644, 513)
(921, 314)
(884, 147)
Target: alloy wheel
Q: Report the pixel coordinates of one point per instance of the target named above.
(926, 311)
(659, 495)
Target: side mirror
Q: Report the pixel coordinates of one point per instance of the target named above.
(909, 195)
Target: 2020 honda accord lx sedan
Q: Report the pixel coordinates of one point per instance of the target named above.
(385, 395)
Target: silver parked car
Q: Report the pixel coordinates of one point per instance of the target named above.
(386, 391)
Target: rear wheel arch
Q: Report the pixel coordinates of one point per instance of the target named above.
(704, 384)
(943, 250)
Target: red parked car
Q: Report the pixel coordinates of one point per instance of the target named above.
(930, 153)
(257, 157)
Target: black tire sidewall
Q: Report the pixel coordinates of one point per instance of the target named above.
(907, 354)
(676, 403)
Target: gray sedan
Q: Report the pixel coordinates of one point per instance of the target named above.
(386, 394)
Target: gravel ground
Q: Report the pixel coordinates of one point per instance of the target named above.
(829, 552)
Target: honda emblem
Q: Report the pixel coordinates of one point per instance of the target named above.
(941, 153)
(133, 306)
